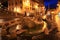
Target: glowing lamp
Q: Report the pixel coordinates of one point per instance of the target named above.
(18, 27)
(17, 9)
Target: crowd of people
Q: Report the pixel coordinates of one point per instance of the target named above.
(33, 29)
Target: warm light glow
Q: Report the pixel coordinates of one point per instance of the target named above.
(28, 14)
(18, 27)
(48, 13)
(26, 3)
(1, 21)
(45, 25)
(58, 6)
(36, 6)
(52, 12)
(0, 3)
(17, 9)
(44, 17)
(57, 19)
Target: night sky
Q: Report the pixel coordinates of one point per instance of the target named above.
(50, 3)
(5, 4)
